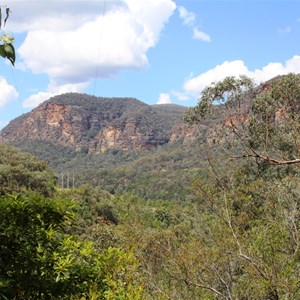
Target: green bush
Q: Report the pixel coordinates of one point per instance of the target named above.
(38, 260)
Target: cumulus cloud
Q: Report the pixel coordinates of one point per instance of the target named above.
(164, 98)
(8, 92)
(53, 90)
(195, 84)
(74, 46)
(187, 16)
(200, 35)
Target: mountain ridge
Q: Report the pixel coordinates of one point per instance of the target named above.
(95, 124)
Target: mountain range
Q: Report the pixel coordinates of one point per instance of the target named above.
(119, 144)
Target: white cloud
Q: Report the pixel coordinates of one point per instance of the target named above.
(194, 85)
(70, 44)
(189, 19)
(187, 16)
(200, 35)
(8, 92)
(53, 90)
(57, 15)
(164, 98)
(180, 95)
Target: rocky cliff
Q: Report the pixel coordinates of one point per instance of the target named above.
(93, 124)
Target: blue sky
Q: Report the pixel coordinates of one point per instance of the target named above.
(158, 51)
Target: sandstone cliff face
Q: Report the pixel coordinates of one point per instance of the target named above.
(45, 122)
(126, 137)
(55, 122)
(91, 124)
(186, 134)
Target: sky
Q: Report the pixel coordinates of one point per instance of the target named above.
(158, 51)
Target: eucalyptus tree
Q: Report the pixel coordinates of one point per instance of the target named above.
(259, 121)
(249, 245)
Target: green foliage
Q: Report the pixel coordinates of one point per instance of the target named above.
(30, 238)
(164, 173)
(260, 122)
(20, 172)
(7, 49)
(275, 123)
(247, 243)
(120, 279)
(41, 254)
(229, 92)
(40, 261)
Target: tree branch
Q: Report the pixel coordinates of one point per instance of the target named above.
(256, 154)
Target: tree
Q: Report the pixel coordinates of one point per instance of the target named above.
(21, 172)
(248, 246)
(262, 121)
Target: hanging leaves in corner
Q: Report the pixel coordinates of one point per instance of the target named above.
(7, 50)
(10, 53)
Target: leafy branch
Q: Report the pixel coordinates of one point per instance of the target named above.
(7, 49)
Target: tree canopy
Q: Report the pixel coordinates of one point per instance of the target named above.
(261, 121)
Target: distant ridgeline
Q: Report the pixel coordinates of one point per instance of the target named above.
(90, 124)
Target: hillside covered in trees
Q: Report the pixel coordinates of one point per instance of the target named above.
(234, 234)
